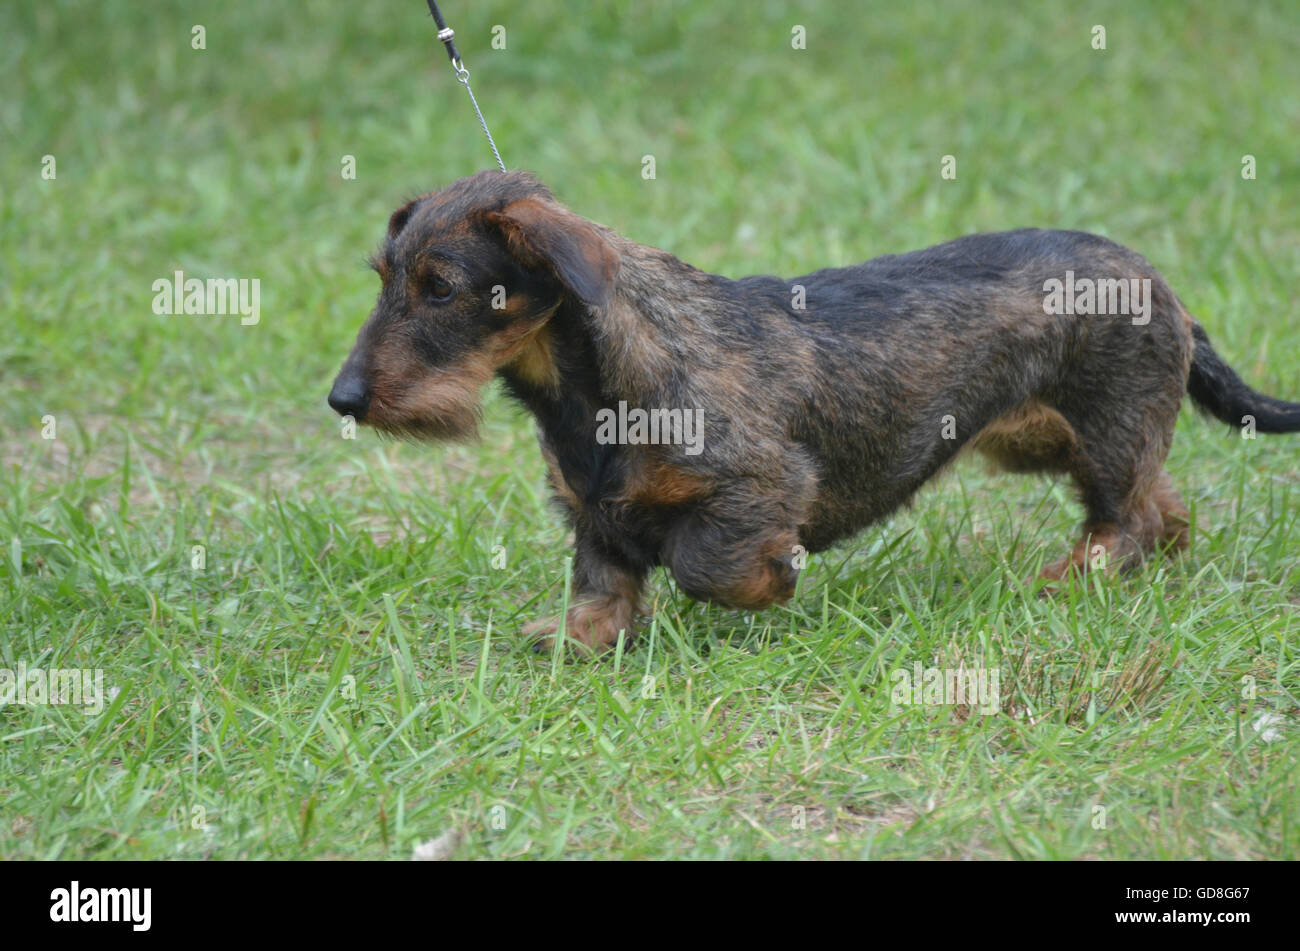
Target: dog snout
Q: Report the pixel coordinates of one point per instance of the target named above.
(350, 396)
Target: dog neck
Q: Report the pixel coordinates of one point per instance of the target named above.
(630, 349)
(558, 379)
(557, 366)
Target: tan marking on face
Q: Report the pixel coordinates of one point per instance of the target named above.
(408, 399)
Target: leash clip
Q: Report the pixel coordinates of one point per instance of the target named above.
(446, 35)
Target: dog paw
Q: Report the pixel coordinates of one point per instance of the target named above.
(592, 628)
(1054, 578)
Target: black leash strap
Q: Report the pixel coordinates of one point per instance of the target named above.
(446, 34)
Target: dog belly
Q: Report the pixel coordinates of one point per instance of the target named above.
(843, 510)
(862, 482)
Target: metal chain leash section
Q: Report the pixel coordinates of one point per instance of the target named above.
(446, 35)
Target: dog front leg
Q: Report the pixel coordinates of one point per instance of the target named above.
(737, 566)
(604, 603)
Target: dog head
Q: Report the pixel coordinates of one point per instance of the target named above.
(471, 276)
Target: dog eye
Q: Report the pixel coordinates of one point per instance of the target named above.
(440, 289)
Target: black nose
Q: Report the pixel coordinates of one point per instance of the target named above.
(350, 397)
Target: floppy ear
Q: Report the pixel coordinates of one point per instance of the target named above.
(402, 215)
(540, 234)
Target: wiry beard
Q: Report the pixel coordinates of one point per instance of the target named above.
(409, 402)
(454, 422)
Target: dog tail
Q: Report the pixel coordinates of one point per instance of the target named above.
(1216, 388)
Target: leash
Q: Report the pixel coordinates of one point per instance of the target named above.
(446, 34)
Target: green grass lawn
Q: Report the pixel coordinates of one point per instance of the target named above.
(344, 676)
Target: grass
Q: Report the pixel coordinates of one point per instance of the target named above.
(343, 677)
